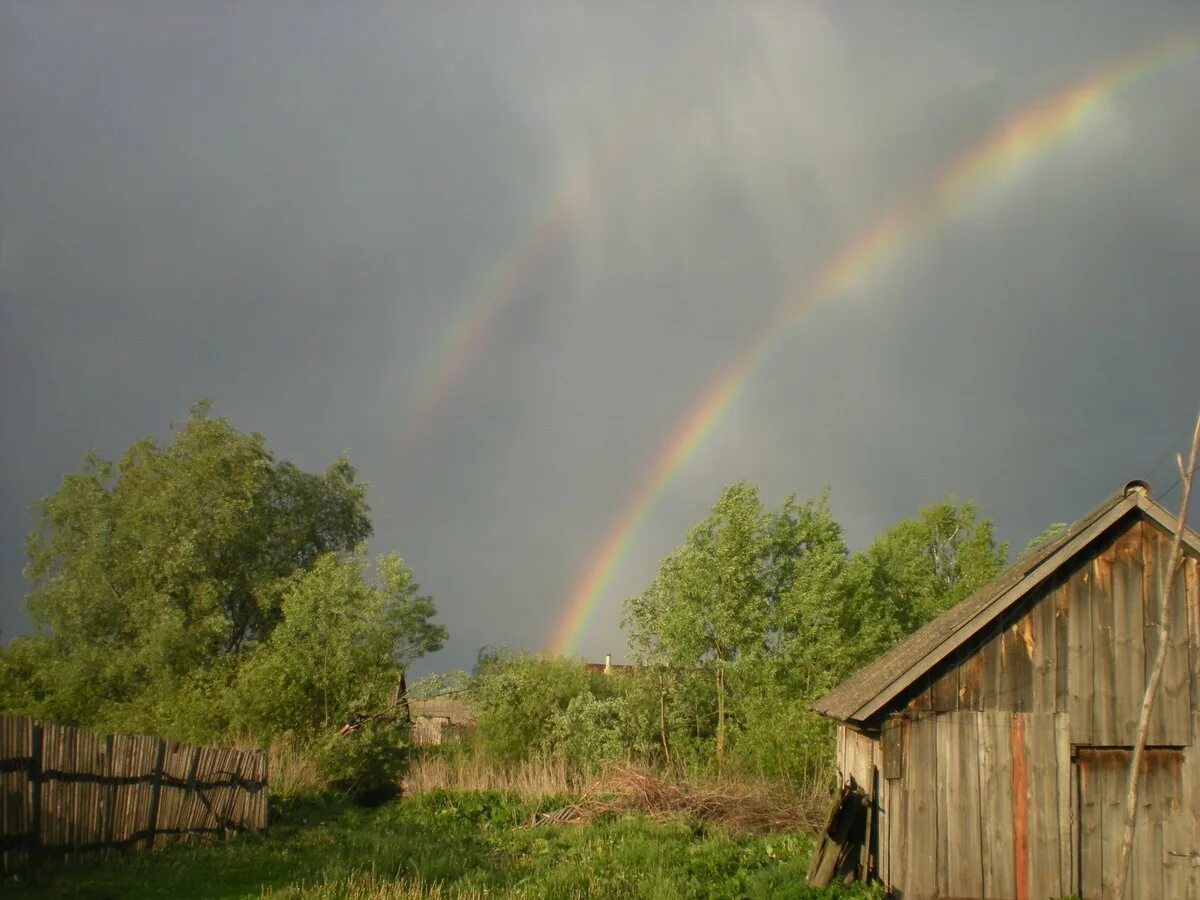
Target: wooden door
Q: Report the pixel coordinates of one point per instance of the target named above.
(1159, 865)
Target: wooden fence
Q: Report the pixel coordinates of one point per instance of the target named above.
(72, 790)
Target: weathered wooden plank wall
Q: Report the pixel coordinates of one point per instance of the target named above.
(73, 790)
(1003, 773)
(1165, 832)
(974, 812)
(1084, 644)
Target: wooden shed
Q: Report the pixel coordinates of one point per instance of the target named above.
(993, 744)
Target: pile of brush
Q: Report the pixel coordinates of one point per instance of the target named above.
(742, 807)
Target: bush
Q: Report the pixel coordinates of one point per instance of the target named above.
(366, 764)
(518, 695)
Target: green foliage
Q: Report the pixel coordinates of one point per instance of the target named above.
(760, 612)
(1048, 534)
(338, 649)
(517, 696)
(203, 587)
(469, 842)
(915, 570)
(592, 731)
(439, 684)
(366, 764)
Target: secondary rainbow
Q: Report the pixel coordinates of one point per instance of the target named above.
(1033, 131)
(469, 332)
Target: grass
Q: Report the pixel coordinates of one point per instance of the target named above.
(446, 844)
(470, 770)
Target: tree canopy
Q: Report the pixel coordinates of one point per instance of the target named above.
(760, 611)
(163, 580)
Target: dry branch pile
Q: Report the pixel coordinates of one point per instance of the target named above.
(742, 807)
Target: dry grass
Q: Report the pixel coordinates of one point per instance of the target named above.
(744, 807)
(290, 771)
(531, 779)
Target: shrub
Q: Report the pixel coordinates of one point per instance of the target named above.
(366, 764)
(590, 731)
(518, 695)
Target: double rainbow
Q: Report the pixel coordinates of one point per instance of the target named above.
(1033, 131)
(465, 338)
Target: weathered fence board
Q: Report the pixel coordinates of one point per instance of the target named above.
(72, 790)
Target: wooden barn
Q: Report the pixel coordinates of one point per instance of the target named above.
(993, 744)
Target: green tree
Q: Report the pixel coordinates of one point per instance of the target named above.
(760, 612)
(339, 648)
(1048, 534)
(708, 605)
(156, 579)
(517, 697)
(915, 570)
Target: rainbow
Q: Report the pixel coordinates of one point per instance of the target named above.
(467, 335)
(469, 332)
(1033, 131)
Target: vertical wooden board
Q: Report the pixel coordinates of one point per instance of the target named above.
(1016, 666)
(842, 730)
(892, 748)
(1112, 826)
(1044, 681)
(944, 691)
(989, 673)
(1191, 571)
(921, 776)
(1141, 855)
(1176, 680)
(1067, 813)
(969, 695)
(945, 746)
(922, 702)
(995, 790)
(899, 826)
(1184, 834)
(883, 816)
(1090, 809)
(1041, 754)
(1104, 662)
(126, 792)
(1169, 722)
(1151, 593)
(960, 864)
(1080, 663)
(1062, 632)
(1129, 655)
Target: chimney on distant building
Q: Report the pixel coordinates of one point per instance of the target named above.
(607, 663)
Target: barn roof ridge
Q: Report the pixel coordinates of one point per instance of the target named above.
(868, 690)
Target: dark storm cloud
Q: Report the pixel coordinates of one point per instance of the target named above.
(285, 209)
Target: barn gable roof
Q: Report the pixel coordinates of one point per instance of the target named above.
(868, 691)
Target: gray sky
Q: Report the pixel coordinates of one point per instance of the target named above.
(287, 208)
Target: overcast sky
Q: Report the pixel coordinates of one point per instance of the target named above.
(287, 207)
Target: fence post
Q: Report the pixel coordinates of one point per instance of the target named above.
(110, 792)
(35, 785)
(155, 789)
